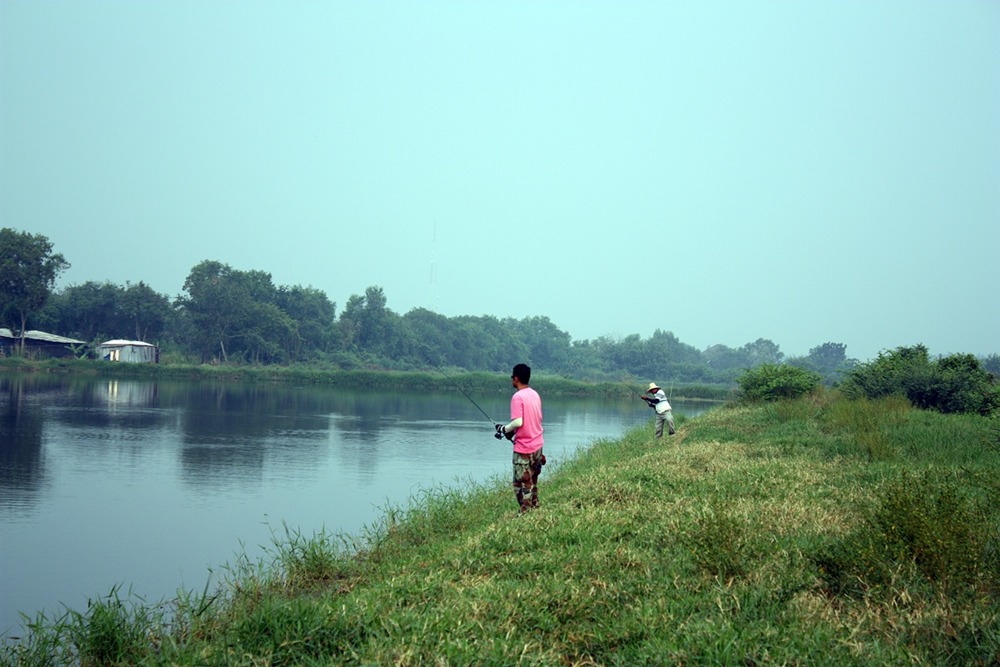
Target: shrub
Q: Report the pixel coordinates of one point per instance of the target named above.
(963, 385)
(890, 373)
(720, 543)
(954, 384)
(922, 524)
(772, 382)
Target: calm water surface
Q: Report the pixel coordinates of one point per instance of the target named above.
(153, 486)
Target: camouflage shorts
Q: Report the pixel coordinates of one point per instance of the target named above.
(527, 468)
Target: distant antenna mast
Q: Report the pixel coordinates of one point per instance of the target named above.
(433, 278)
(434, 239)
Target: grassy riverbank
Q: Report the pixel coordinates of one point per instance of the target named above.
(430, 380)
(815, 531)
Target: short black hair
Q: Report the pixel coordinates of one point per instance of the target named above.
(523, 373)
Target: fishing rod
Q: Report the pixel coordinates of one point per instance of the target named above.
(630, 388)
(457, 386)
(648, 400)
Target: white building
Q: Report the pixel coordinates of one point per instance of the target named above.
(130, 351)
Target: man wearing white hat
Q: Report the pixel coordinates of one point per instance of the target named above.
(658, 401)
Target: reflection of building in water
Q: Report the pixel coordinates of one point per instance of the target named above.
(126, 393)
(129, 351)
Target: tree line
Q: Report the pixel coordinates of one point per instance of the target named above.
(232, 316)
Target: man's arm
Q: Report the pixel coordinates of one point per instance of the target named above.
(513, 425)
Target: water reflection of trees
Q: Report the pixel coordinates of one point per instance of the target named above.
(219, 410)
(230, 432)
(371, 412)
(22, 466)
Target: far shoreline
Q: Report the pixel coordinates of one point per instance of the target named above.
(430, 379)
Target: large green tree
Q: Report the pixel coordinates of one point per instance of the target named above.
(549, 345)
(669, 357)
(241, 315)
(368, 325)
(627, 355)
(235, 314)
(28, 272)
(315, 318)
(724, 358)
(97, 311)
(763, 351)
(432, 336)
(88, 311)
(827, 357)
(148, 313)
(212, 307)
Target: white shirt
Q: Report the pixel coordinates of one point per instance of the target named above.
(662, 405)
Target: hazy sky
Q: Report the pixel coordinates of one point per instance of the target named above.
(799, 171)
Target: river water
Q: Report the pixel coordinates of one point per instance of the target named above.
(153, 487)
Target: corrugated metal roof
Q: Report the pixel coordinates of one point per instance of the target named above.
(43, 336)
(119, 343)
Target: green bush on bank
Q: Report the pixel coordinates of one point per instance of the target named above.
(957, 383)
(772, 382)
(953, 384)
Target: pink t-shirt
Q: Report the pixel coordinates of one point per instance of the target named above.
(527, 404)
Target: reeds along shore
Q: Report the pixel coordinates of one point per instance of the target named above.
(810, 531)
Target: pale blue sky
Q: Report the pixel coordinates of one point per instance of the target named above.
(799, 171)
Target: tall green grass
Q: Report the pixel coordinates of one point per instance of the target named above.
(760, 534)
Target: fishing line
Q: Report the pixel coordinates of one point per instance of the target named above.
(467, 396)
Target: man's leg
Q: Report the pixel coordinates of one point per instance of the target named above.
(537, 461)
(524, 488)
(527, 468)
(659, 425)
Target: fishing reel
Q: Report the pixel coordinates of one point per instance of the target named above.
(501, 434)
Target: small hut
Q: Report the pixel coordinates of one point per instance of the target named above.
(129, 351)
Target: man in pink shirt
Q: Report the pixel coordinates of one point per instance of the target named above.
(525, 429)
